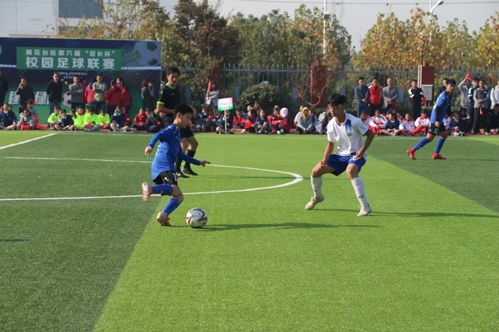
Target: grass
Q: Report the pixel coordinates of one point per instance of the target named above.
(425, 260)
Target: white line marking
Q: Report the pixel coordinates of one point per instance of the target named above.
(297, 178)
(26, 141)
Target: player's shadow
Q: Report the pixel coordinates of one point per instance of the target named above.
(279, 226)
(422, 214)
(14, 240)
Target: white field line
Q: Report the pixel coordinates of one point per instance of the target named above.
(297, 178)
(26, 141)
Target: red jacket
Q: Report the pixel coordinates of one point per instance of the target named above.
(375, 93)
(113, 96)
(140, 120)
(125, 98)
(88, 94)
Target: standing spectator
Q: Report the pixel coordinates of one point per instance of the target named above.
(471, 92)
(261, 123)
(125, 97)
(362, 96)
(464, 89)
(4, 87)
(391, 126)
(212, 93)
(443, 87)
(422, 124)
(76, 90)
(26, 121)
(406, 126)
(139, 121)
(113, 97)
(99, 88)
(149, 96)
(8, 119)
(481, 103)
(415, 99)
(54, 92)
(88, 94)
(375, 96)
(494, 98)
(118, 120)
(390, 95)
(65, 122)
(305, 121)
(25, 93)
(377, 123)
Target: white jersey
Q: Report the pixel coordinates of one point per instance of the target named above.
(422, 122)
(348, 135)
(407, 125)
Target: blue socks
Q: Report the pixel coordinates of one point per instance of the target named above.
(163, 189)
(440, 143)
(421, 143)
(171, 206)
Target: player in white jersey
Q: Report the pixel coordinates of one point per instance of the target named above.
(346, 131)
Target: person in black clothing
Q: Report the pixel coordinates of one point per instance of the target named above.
(25, 93)
(148, 94)
(471, 111)
(415, 98)
(4, 87)
(54, 92)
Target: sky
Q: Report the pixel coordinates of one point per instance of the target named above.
(359, 15)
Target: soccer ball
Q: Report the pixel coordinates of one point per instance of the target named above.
(196, 218)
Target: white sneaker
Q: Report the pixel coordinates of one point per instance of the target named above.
(313, 201)
(243, 131)
(364, 211)
(146, 191)
(163, 219)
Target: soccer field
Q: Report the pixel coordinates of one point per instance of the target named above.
(80, 251)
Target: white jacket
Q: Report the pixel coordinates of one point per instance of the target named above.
(494, 96)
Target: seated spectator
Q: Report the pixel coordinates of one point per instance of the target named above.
(391, 126)
(449, 122)
(322, 121)
(154, 122)
(104, 119)
(286, 124)
(406, 126)
(278, 125)
(455, 126)
(8, 119)
(377, 123)
(261, 124)
(239, 121)
(79, 117)
(196, 121)
(54, 117)
(140, 120)
(305, 121)
(365, 118)
(31, 108)
(224, 123)
(65, 122)
(250, 121)
(126, 116)
(91, 120)
(26, 121)
(207, 120)
(118, 120)
(422, 124)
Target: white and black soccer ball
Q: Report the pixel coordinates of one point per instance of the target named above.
(196, 218)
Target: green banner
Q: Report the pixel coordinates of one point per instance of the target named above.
(74, 59)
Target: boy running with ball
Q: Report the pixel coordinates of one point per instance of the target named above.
(163, 165)
(346, 131)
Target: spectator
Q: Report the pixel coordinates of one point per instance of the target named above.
(65, 122)
(196, 121)
(422, 124)
(31, 108)
(239, 121)
(8, 120)
(25, 93)
(362, 97)
(365, 118)
(261, 123)
(323, 120)
(457, 125)
(99, 88)
(118, 120)
(4, 87)
(125, 97)
(54, 92)
(305, 121)
(406, 126)
(91, 120)
(390, 95)
(140, 120)
(149, 95)
(212, 93)
(464, 122)
(277, 123)
(154, 122)
(207, 120)
(113, 97)
(391, 126)
(88, 95)
(26, 121)
(481, 105)
(415, 99)
(449, 122)
(54, 118)
(104, 119)
(76, 90)
(443, 87)
(224, 123)
(494, 98)
(375, 96)
(285, 124)
(464, 89)
(79, 117)
(377, 123)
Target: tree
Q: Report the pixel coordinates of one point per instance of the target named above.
(486, 55)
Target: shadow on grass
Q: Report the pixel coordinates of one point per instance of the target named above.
(287, 225)
(14, 240)
(419, 214)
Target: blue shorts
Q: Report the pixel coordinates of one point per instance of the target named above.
(340, 163)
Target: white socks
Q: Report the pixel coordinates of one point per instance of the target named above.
(360, 191)
(316, 186)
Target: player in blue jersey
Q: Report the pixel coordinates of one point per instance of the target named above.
(437, 127)
(163, 165)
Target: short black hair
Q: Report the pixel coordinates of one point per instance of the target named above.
(414, 80)
(361, 78)
(337, 99)
(451, 82)
(173, 70)
(183, 109)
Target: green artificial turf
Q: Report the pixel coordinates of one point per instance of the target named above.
(425, 260)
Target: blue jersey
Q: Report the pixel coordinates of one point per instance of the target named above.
(443, 102)
(168, 151)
